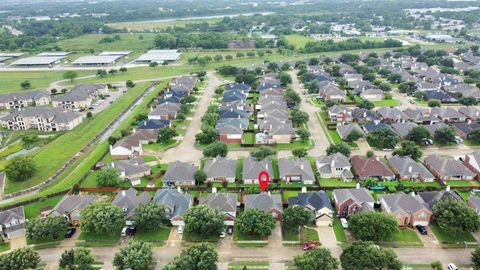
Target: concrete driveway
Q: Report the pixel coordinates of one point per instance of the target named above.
(18, 242)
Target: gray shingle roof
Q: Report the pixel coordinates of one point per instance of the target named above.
(131, 166)
(360, 195)
(402, 129)
(252, 168)
(406, 166)
(264, 202)
(448, 167)
(225, 202)
(70, 203)
(296, 167)
(6, 216)
(174, 200)
(317, 200)
(129, 201)
(220, 167)
(432, 197)
(179, 172)
(403, 202)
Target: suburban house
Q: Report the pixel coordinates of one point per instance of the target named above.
(363, 115)
(334, 166)
(154, 124)
(180, 174)
(472, 161)
(340, 114)
(316, 202)
(175, 204)
(24, 99)
(463, 129)
(165, 111)
(42, 118)
(448, 169)
(372, 95)
(296, 171)
(270, 203)
(330, 92)
(344, 130)
(410, 210)
(252, 168)
(439, 95)
(225, 202)
(80, 97)
(131, 169)
(470, 112)
(402, 129)
(432, 197)
(372, 167)
(349, 201)
(370, 127)
(12, 222)
(405, 167)
(474, 202)
(420, 116)
(220, 169)
(392, 115)
(230, 130)
(131, 146)
(70, 206)
(448, 114)
(128, 201)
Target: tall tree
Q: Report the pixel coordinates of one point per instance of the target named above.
(150, 216)
(444, 135)
(366, 255)
(316, 259)
(418, 134)
(339, 148)
(383, 138)
(409, 149)
(372, 226)
(456, 216)
(254, 221)
(101, 218)
(295, 216)
(136, 255)
(20, 259)
(50, 227)
(77, 259)
(20, 169)
(108, 178)
(70, 75)
(196, 257)
(202, 220)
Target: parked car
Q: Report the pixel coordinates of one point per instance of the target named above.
(421, 229)
(344, 223)
(128, 231)
(70, 232)
(180, 229)
(310, 245)
(452, 266)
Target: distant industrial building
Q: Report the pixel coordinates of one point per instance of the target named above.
(97, 60)
(443, 38)
(122, 53)
(44, 54)
(34, 61)
(159, 56)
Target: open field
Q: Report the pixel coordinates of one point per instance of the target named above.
(136, 26)
(10, 80)
(129, 42)
(298, 40)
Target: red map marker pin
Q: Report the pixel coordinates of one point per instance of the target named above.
(263, 180)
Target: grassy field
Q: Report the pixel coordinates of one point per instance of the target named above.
(93, 239)
(10, 80)
(67, 145)
(157, 237)
(386, 102)
(298, 40)
(404, 238)
(448, 238)
(128, 42)
(136, 26)
(338, 230)
(32, 210)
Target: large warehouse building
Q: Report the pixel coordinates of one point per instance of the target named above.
(159, 56)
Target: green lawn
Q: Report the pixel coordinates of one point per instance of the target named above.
(239, 236)
(146, 25)
(451, 239)
(4, 246)
(66, 146)
(461, 183)
(404, 237)
(248, 265)
(160, 146)
(199, 238)
(308, 234)
(386, 102)
(129, 42)
(38, 79)
(298, 40)
(93, 239)
(290, 235)
(338, 230)
(157, 237)
(249, 138)
(331, 182)
(32, 210)
(289, 193)
(334, 136)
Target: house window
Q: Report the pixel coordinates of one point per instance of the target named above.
(422, 215)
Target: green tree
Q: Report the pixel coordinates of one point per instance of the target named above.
(50, 227)
(434, 103)
(77, 259)
(216, 149)
(196, 257)
(129, 83)
(354, 135)
(25, 84)
(372, 226)
(202, 220)
(207, 136)
(292, 97)
(437, 266)
(418, 134)
(254, 221)
(316, 259)
(409, 149)
(108, 178)
(340, 147)
(476, 259)
(444, 135)
(200, 177)
(136, 255)
(474, 136)
(383, 138)
(468, 101)
(455, 216)
(70, 75)
(285, 78)
(263, 152)
(299, 117)
(153, 64)
(20, 169)
(166, 134)
(366, 255)
(123, 69)
(20, 259)
(365, 104)
(150, 216)
(101, 218)
(370, 154)
(300, 152)
(304, 134)
(296, 216)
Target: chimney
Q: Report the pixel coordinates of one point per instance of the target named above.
(377, 158)
(214, 190)
(357, 186)
(301, 167)
(304, 189)
(134, 130)
(151, 109)
(409, 169)
(123, 193)
(269, 193)
(333, 163)
(112, 164)
(448, 188)
(266, 167)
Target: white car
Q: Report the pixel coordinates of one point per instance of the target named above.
(344, 223)
(180, 229)
(452, 266)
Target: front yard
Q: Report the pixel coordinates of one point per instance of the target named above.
(452, 239)
(404, 237)
(332, 182)
(32, 210)
(97, 240)
(338, 230)
(158, 237)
